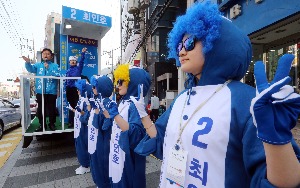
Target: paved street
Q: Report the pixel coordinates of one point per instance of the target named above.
(51, 162)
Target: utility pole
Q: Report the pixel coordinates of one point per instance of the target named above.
(121, 27)
(111, 55)
(142, 48)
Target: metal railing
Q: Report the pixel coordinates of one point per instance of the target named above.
(25, 103)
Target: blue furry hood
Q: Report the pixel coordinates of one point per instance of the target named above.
(137, 76)
(227, 50)
(103, 85)
(81, 86)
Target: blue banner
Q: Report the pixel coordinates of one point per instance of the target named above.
(90, 66)
(63, 69)
(85, 16)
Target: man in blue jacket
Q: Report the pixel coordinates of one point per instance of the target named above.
(46, 88)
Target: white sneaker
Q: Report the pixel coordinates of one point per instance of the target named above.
(82, 170)
(78, 168)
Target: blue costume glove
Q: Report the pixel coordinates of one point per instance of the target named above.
(276, 107)
(78, 108)
(139, 102)
(112, 108)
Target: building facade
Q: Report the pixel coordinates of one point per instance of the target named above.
(50, 25)
(163, 71)
(273, 27)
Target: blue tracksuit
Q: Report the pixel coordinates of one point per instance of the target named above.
(99, 159)
(81, 135)
(127, 168)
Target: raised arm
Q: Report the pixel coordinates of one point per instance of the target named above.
(275, 111)
(82, 59)
(29, 67)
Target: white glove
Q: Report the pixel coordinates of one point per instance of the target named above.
(70, 107)
(100, 102)
(85, 99)
(140, 104)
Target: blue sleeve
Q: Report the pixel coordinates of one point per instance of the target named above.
(31, 67)
(98, 120)
(129, 139)
(254, 157)
(154, 145)
(81, 62)
(107, 124)
(83, 118)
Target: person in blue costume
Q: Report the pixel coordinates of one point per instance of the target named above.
(220, 132)
(80, 121)
(100, 130)
(71, 90)
(46, 88)
(127, 168)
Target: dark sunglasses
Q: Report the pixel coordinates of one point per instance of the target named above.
(188, 44)
(120, 82)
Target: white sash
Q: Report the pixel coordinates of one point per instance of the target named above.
(92, 133)
(117, 155)
(77, 124)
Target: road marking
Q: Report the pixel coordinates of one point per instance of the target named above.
(2, 153)
(8, 139)
(5, 145)
(8, 144)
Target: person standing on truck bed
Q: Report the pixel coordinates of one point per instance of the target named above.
(46, 89)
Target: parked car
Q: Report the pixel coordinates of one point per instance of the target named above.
(33, 106)
(10, 116)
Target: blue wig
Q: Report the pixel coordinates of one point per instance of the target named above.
(227, 49)
(81, 86)
(201, 20)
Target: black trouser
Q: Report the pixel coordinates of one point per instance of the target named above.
(72, 98)
(154, 114)
(49, 108)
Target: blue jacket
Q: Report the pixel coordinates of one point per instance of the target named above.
(75, 71)
(49, 85)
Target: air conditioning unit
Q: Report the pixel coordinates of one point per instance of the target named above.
(133, 6)
(235, 11)
(144, 4)
(258, 1)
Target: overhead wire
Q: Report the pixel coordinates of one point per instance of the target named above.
(9, 20)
